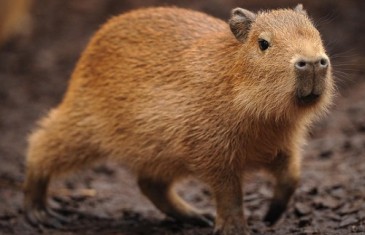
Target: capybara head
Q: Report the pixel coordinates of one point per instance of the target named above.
(285, 63)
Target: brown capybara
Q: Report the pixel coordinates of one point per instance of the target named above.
(172, 93)
(14, 18)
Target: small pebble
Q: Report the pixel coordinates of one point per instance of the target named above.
(348, 221)
(302, 209)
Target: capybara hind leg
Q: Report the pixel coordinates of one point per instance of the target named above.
(51, 154)
(286, 170)
(167, 201)
(35, 202)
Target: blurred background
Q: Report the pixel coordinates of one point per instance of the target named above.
(40, 42)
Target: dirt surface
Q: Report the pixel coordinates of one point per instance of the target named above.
(33, 76)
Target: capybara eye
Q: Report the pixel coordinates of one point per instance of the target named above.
(263, 44)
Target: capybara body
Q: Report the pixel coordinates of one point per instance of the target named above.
(173, 92)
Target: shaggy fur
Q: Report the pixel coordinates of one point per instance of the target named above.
(173, 92)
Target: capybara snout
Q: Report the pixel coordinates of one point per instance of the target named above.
(311, 75)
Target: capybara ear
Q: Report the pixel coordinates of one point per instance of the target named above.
(299, 8)
(240, 23)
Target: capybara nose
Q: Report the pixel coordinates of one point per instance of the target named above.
(311, 76)
(319, 65)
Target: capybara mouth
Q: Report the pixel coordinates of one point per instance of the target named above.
(308, 99)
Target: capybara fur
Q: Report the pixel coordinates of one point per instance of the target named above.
(172, 93)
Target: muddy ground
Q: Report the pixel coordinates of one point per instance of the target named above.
(33, 76)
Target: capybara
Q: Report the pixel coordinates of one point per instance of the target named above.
(172, 92)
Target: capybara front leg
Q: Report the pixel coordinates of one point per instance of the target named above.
(286, 170)
(230, 219)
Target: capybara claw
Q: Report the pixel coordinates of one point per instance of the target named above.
(46, 218)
